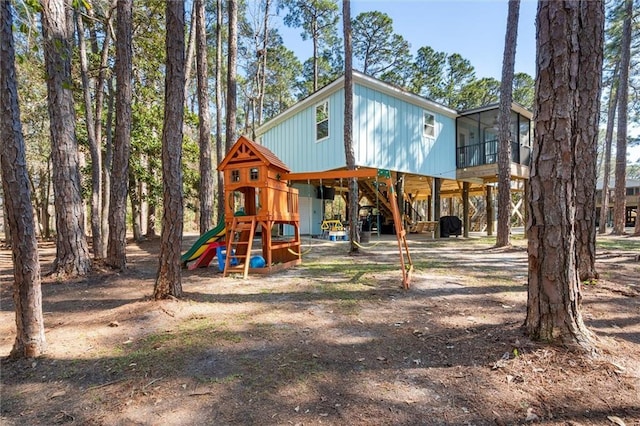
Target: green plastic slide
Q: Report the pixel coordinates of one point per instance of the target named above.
(198, 247)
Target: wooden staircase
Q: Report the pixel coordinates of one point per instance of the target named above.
(239, 245)
(374, 195)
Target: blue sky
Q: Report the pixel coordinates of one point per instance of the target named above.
(473, 28)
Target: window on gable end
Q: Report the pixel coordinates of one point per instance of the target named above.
(254, 174)
(322, 121)
(428, 124)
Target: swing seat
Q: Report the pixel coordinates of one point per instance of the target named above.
(423, 226)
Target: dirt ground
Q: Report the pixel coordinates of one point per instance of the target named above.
(335, 341)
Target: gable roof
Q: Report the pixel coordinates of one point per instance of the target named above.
(362, 80)
(245, 149)
(514, 107)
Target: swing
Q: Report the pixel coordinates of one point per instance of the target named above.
(302, 253)
(369, 246)
(377, 188)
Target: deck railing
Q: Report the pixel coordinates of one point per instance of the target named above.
(487, 153)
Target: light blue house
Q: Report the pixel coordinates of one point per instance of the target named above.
(434, 151)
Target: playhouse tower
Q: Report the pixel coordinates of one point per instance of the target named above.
(257, 200)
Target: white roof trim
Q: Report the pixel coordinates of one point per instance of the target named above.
(515, 107)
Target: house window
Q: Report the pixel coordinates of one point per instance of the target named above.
(322, 121)
(428, 124)
(253, 173)
(235, 176)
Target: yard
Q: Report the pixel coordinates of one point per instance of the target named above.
(335, 341)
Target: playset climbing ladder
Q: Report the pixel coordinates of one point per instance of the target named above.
(243, 229)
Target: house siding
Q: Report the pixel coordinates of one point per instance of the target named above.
(388, 135)
(311, 209)
(298, 131)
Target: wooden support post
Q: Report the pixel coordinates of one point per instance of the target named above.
(489, 204)
(465, 209)
(527, 195)
(437, 183)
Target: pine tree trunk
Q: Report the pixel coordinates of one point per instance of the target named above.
(608, 141)
(563, 46)
(153, 201)
(169, 281)
(232, 57)
(151, 220)
(94, 147)
(136, 202)
(314, 31)
(43, 207)
(100, 252)
(220, 148)
(117, 246)
(72, 251)
(27, 294)
(591, 39)
(620, 205)
(206, 166)
(350, 157)
(263, 61)
(503, 237)
(191, 52)
(107, 163)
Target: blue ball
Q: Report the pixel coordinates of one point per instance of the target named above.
(257, 262)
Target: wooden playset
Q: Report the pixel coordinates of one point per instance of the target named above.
(258, 196)
(258, 199)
